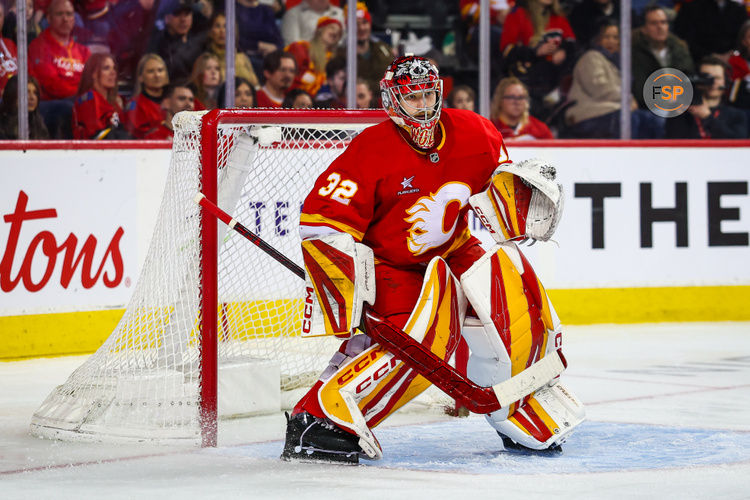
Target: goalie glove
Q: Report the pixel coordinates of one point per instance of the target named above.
(522, 201)
(339, 279)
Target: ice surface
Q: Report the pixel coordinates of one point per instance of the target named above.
(668, 416)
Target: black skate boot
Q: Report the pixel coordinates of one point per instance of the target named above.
(512, 446)
(314, 439)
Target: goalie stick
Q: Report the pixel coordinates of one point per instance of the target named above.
(475, 398)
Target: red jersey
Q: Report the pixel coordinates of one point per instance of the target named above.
(740, 66)
(533, 129)
(145, 118)
(57, 67)
(94, 116)
(308, 77)
(265, 100)
(401, 203)
(518, 29)
(8, 61)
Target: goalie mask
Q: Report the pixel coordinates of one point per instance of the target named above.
(407, 90)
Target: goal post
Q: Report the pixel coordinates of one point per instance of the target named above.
(212, 327)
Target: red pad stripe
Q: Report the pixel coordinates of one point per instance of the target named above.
(341, 260)
(322, 279)
(535, 426)
(499, 311)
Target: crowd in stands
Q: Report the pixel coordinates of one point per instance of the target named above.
(121, 69)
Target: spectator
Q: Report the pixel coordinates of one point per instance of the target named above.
(206, 80)
(301, 21)
(595, 91)
(176, 44)
(258, 34)
(538, 44)
(364, 94)
(202, 10)
(8, 55)
(297, 99)
(9, 29)
(739, 94)
(244, 94)
(277, 6)
(462, 97)
(312, 56)
(332, 92)
(97, 113)
(177, 97)
(655, 47)
(217, 44)
(468, 51)
(57, 61)
(509, 112)
(709, 27)
(145, 115)
(373, 55)
(97, 23)
(586, 16)
(279, 69)
(135, 20)
(711, 118)
(9, 111)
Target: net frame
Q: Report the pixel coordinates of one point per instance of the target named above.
(199, 138)
(210, 125)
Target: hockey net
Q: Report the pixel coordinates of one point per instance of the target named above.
(210, 309)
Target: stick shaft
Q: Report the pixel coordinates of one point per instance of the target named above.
(476, 398)
(220, 214)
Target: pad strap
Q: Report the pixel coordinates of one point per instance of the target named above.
(339, 278)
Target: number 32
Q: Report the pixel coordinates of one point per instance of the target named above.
(340, 190)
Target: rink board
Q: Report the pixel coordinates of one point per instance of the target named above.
(649, 234)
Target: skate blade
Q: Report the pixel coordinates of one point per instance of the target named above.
(317, 457)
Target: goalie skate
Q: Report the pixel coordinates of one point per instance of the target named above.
(313, 439)
(513, 447)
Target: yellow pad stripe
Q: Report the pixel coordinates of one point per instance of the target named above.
(341, 281)
(317, 219)
(518, 314)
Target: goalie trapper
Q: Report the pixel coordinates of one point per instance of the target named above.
(314, 439)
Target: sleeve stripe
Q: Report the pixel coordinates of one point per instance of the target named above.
(319, 220)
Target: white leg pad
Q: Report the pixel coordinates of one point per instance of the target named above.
(560, 404)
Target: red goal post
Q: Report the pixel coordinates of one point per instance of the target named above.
(210, 159)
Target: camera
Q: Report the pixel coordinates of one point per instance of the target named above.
(700, 82)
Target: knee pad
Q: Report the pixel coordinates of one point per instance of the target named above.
(517, 327)
(360, 391)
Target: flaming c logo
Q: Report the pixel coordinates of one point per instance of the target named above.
(433, 218)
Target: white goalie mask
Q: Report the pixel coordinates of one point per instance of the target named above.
(407, 91)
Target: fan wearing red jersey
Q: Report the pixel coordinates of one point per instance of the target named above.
(396, 201)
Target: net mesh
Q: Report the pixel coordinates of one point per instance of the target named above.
(143, 382)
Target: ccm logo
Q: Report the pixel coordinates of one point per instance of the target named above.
(307, 315)
(379, 373)
(363, 364)
(558, 340)
(483, 219)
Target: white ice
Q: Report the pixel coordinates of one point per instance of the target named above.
(668, 417)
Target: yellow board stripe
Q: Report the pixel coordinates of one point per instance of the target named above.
(42, 335)
(62, 334)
